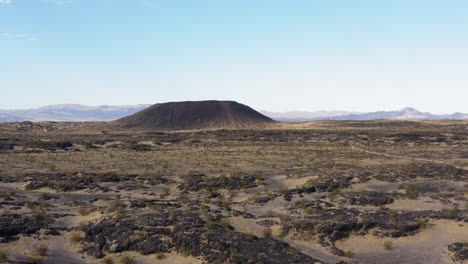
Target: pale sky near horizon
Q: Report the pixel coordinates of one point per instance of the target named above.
(355, 55)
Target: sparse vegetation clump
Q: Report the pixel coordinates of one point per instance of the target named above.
(41, 250)
(127, 259)
(84, 212)
(267, 232)
(350, 253)
(35, 259)
(3, 255)
(76, 237)
(388, 245)
(250, 236)
(160, 256)
(107, 260)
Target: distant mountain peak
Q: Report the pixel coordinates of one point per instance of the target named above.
(409, 109)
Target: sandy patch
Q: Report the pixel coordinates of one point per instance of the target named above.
(426, 247)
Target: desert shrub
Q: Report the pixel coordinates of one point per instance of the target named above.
(187, 252)
(233, 252)
(118, 202)
(269, 213)
(121, 213)
(284, 218)
(350, 254)
(35, 259)
(388, 245)
(249, 236)
(41, 250)
(225, 222)
(45, 195)
(30, 205)
(209, 225)
(127, 259)
(107, 260)
(183, 198)
(393, 213)
(3, 255)
(256, 198)
(293, 251)
(160, 256)
(206, 200)
(301, 203)
(423, 223)
(283, 189)
(411, 192)
(267, 232)
(225, 204)
(451, 211)
(76, 237)
(154, 206)
(84, 212)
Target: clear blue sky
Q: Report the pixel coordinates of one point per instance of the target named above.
(358, 55)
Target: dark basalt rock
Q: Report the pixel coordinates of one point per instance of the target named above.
(267, 223)
(368, 198)
(12, 225)
(79, 181)
(191, 235)
(52, 233)
(197, 182)
(6, 146)
(50, 145)
(141, 147)
(320, 185)
(333, 224)
(459, 251)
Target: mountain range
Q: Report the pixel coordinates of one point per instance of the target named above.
(77, 112)
(407, 113)
(71, 112)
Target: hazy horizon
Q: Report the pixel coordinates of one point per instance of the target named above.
(357, 56)
(261, 110)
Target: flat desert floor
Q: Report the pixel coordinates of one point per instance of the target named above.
(311, 192)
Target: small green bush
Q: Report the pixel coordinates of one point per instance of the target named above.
(3, 255)
(107, 260)
(41, 250)
(127, 259)
(76, 237)
(31, 205)
(160, 256)
(388, 245)
(35, 259)
(267, 232)
(84, 212)
(249, 236)
(350, 254)
(225, 222)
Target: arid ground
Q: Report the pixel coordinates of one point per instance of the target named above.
(314, 192)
